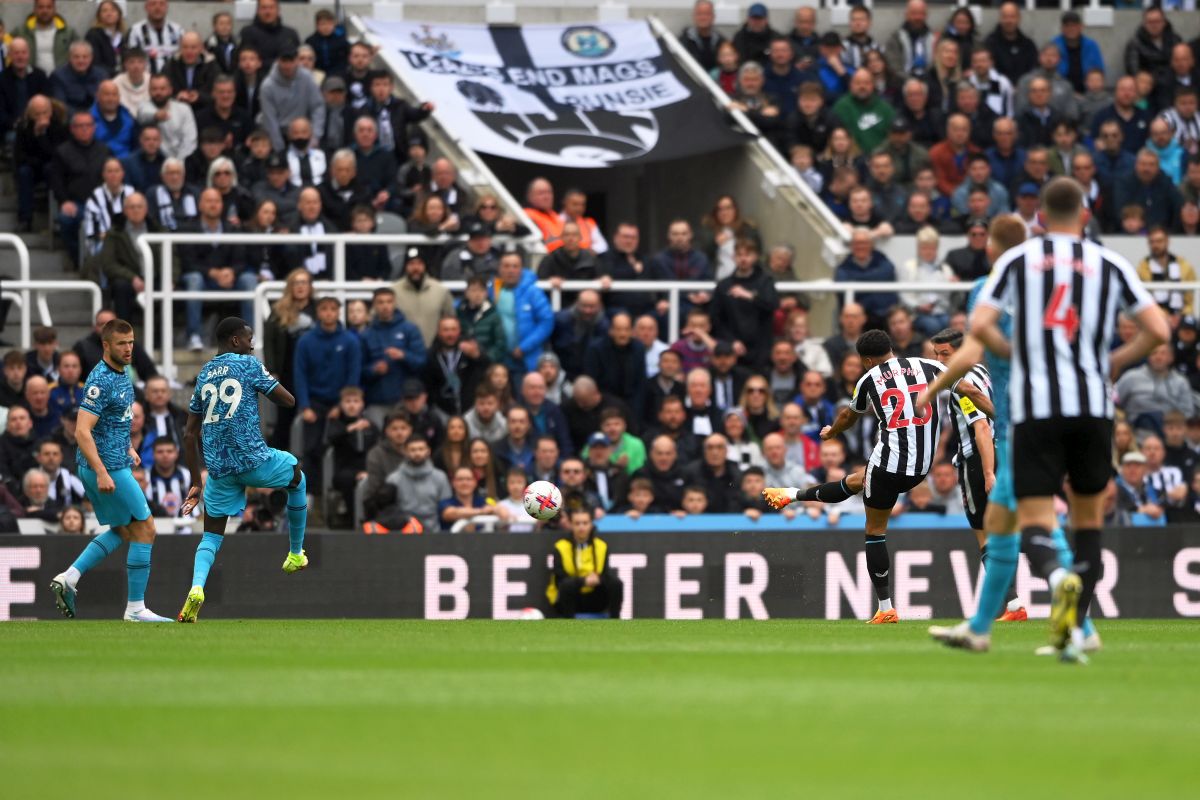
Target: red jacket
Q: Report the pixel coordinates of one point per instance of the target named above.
(950, 170)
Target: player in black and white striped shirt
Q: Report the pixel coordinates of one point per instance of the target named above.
(902, 456)
(976, 456)
(1064, 293)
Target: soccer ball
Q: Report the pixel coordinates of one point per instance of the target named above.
(542, 500)
(531, 613)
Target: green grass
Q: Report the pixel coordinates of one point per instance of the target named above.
(591, 709)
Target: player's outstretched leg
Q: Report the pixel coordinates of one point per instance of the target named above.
(137, 570)
(879, 565)
(63, 585)
(833, 492)
(206, 554)
(297, 515)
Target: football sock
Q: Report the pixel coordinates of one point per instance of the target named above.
(96, 551)
(1039, 547)
(885, 604)
(137, 568)
(828, 492)
(879, 565)
(206, 553)
(1089, 565)
(983, 556)
(297, 515)
(1003, 553)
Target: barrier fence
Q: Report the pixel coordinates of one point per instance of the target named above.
(749, 575)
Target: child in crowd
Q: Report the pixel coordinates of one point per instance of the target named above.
(222, 44)
(754, 480)
(350, 435)
(513, 505)
(639, 500)
(358, 315)
(1133, 220)
(366, 262)
(330, 46)
(803, 163)
(70, 520)
(695, 501)
(253, 168)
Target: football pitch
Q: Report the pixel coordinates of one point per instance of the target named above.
(481, 709)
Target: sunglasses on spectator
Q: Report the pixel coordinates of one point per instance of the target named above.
(756, 389)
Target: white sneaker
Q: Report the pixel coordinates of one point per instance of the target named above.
(145, 615)
(195, 343)
(1092, 643)
(962, 636)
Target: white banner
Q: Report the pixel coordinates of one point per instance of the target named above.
(568, 95)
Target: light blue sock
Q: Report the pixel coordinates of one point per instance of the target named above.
(1003, 552)
(297, 515)
(137, 567)
(1066, 560)
(206, 553)
(97, 550)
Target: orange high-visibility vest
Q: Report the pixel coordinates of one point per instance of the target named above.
(550, 224)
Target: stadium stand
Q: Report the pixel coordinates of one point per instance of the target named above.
(646, 321)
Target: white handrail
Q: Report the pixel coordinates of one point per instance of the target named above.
(486, 522)
(19, 292)
(23, 267)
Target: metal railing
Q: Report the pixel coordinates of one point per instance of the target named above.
(19, 293)
(23, 263)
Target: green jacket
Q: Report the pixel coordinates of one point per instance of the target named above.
(484, 326)
(63, 37)
(867, 122)
(118, 259)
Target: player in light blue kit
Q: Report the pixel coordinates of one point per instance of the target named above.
(224, 436)
(105, 459)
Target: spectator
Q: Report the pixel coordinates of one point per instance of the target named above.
(338, 120)
(866, 115)
(701, 38)
(703, 416)
(67, 391)
(1134, 493)
(44, 357)
(752, 99)
(64, 488)
(664, 472)
(1078, 54)
(420, 487)
(306, 164)
(267, 35)
(909, 51)
(1066, 146)
(1163, 266)
(164, 419)
(1095, 99)
(810, 350)
(860, 213)
(546, 416)
(75, 83)
(376, 165)
(1005, 157)
(941, 80)
(1182, 74)
(480, 321)
(1149, 391)
(728, 377)
(43, 414)
(1170, 154)
(994, 89)
(1150, 47)
(454, 367)
(852, 321)
(48, 36)
(484, 420)
(944, 489)
(949, 157)
(557, 387)
(675, 422)
(35, 497)
(743, 306)
(1133, 121)
(1184, 121)
(173, 204)
(753, 39)
(1174, 440)
(169, 480)
(215, 266)
(174, 119)
(1036, 123)
(858, 41)
(516, 448)
(571, 262)
(222, 44)
(932, 308)
(832, 71)
(12, 390)
(759, 413)
(623, 262)
(1097, 196)
(907, 156)
(16, 443)
(804, 38)
(330, 47)
(1061, 97)
(811, 122)
(394, 351)
(617, 361)
(888, 196)
(539, 198)
(452, 453)
(224, 114)
(328, 358)
(351, 436)
(607, 484)
(1013, 52)
(524, 312)
(681, 262)
(278, 187)
(925, 120)
(781, 77)
(719, 232)
(908, 343)
(386, 456)
(1111, 159)
(76, 171)
(192, 72)
(19, 82)
(695, 345)
(105, 204)
(434, 220)
(289, 93)
(392, 115)
(40, 133)
(779, 469)
(143, 166)
(157, 36)
(1166, 480)
(865, 263)
(133, 81)
(1150, 189)
(979, 176)
(719, 477)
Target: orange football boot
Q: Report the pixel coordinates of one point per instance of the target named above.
(884, 617)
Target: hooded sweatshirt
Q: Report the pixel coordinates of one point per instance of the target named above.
(285, 99)
(377, 338)
(419, 489)
(325, 362)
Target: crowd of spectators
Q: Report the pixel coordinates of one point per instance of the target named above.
(439, 408)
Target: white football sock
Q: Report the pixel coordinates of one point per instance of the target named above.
(72, 576)
(1056, 577)
(132, 607)
(885, 605)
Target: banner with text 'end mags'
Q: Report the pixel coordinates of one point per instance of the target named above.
(584, 96)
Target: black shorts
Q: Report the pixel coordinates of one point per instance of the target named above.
(881, 489)
(974, 489)
(1044, 451)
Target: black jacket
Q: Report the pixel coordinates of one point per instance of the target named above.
(618, 370)
(29, 148)
(813, 131)
(103, 53)
(203, 75)
(269, 40)
(1033, 131)
(377, 169)
(582, 423)
(724, 491)
(1012, 58)
(451, 381)
(238, 125)
(203, 257)
(668, 485)
(15, 93)
(746, 321)
(1141, 53)
(968, 264)
(337, 203)
(76, 170)
(90, 352)
(401, 115)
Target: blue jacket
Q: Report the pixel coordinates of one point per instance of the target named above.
(1170, 158)
(325, 363)
(878, 269)
(378, 337)
(549, 420)
(76, 92)
(1089, 53)
(1109, 168)
(835, 85)
(120, 135)
(1005, 169)
(535, 317)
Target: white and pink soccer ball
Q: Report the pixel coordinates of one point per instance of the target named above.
(543, 500)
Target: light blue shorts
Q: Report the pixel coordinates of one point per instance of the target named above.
(125, 504)
(1002, 493)
(226, 496)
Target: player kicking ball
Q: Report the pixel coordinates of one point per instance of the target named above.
(902, 456)
(224, 436)
(106, 458)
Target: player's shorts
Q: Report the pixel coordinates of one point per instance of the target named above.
(124, 504)
(974, 489)
(881, 489)
(226, 496)
(1044, 451)
(1002, 493)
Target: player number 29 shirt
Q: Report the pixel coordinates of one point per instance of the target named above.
(108, 395)
(1064, 294)
(226, 399)
(907, 435)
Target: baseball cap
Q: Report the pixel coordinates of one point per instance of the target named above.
(757, 10)
(977, 222)
(1028, 189)
(276, 161)
(723, 348)
(412, 388)
(900, 125)
(334, 83)
(288, 54)
(476, 229)
(1071, 18)
(830, 39)
(413, 254)
(1133, 457)
(598, 439)
(1190, 321)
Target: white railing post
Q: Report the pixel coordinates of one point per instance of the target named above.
(23, 268)
(673, 315)
(339, 271)
(168, 312)
(148, 314)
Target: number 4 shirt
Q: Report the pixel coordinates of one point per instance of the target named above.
(226, 399)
